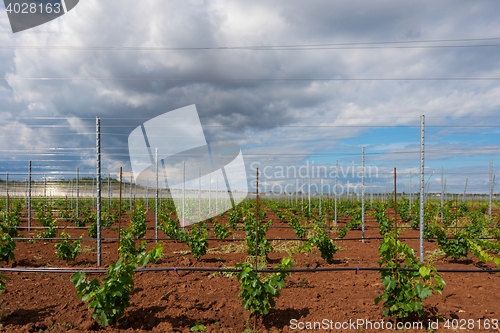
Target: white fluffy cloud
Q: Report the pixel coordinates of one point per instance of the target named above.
(129, 61)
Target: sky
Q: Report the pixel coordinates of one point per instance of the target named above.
(295, 84)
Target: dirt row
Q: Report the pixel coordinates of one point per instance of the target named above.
(172, 301)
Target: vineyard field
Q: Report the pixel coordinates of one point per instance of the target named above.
(183, 299)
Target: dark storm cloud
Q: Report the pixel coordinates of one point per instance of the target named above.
(127, 87)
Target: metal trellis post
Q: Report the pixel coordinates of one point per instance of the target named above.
(7, 194)
(490, 201)
(363, 194)
(77, 191)
(156, 199)
(422, 185)
(29, 196)
(98, 183)
(336, 188)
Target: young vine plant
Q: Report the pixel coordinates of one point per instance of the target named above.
(44, 215)
(9, 223)
(221, 231)
(51, 232)
(258, 292)
(252, 233)
(111, 297)
(324, 244)
(67, 250)
(406, 285)
(7, 247)
(299, 230)
(138, 221)
(197, 241)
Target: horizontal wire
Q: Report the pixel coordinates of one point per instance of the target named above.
(312, 155)
(139, 118)
(229, 270)
(248, 47)
(243, 79)
(406, 127)
(105, 126)
(226, 239)
(311, 48)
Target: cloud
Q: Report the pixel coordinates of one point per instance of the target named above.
(238, 91)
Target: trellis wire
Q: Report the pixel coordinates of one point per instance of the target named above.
(231, 270)
(76, 187)
(235, 239)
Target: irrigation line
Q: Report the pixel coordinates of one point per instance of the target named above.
(234, 270)
(222, 240)
(69, 227)
(272, 227)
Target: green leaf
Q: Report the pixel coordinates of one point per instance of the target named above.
(404, 289)
(198, 327)
(424, 271)
(419, 287)
(392, 284)
(424, 293)
(270, 289)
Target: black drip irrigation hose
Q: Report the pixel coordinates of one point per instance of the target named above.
(272, 227)
(62, 227)
(234, 270)
(163, 239)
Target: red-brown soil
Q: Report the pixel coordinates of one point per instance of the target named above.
(175, 302)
